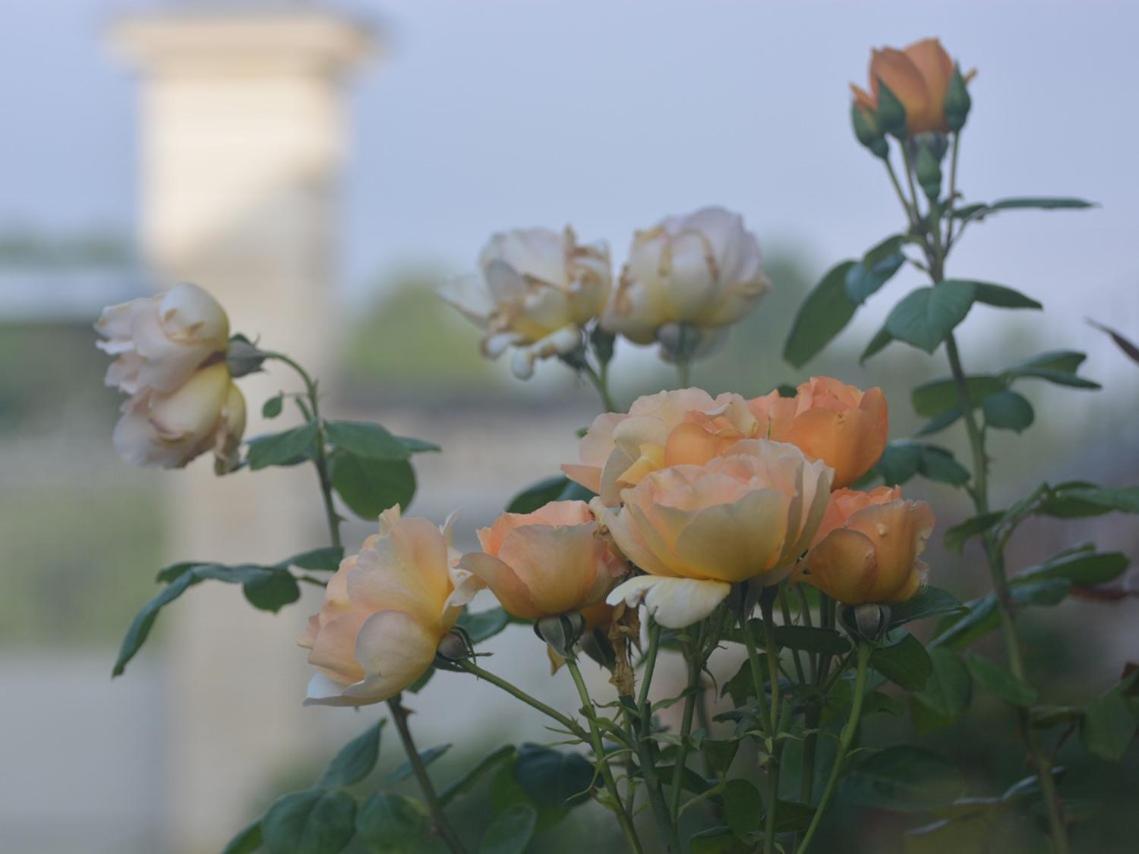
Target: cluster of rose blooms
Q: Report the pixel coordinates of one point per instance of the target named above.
(694, 494)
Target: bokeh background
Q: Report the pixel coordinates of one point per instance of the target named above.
(323, 167)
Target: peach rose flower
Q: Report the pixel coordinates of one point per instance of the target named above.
(696, 530)
(535, 291)
(385, 612)
(668, 428)
(868, 545)
(839, 424)
(702, 270)
(160, 341)
(919, 76)
(542, 564)
(169, 429)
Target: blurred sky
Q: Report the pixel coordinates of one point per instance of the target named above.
(482, 115)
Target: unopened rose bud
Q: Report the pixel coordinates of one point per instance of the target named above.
(928, 172)
(866, 622)
(957, 100)
(561, 632)
(243, 357)
(867, 132)
(891, 113)
(455, 646)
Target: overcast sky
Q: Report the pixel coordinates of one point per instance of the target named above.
(482, 115)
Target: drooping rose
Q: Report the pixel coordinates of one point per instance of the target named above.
(664, 429)
(919, 76)
(828, 420)
(542, 564)
(207, 412)
(535, 291)
(699, 272)
(868, 546)
(696, 530)
(385, 612)
(160, 341)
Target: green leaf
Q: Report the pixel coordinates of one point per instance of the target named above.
(483, 625)
(928, 314)
(271, 408)
(995, 679)
(288, 448)
(1082, 567)
(356, 759)
(905, 663)
(247, 841)
(981, 615)
(929, 602)
(1056, 366)
(823, 314)
(553, 778)
(935, 397)
(882, 339)
(371, 486)
(511, 830)
(404, 771)
(743, 807)
(418, 446)
(273, 591)
(464, 783)
(315, 821)
(741, 686)
(143, 622)
(1077, 500)
(1125, 344)
(394, 824)
(327, 559)
(1007, 410)
(717, 840)
(365, 439)
(1108, 726)
(1002, 297)
(1043, 203)
(866, 277)
(949, 688)
(793, 817)
(940, 465)
(958, 535)
(538, 494)
(904, 779)
(720, 753)
(883, 250)
(807, 638)
(939, 422)
(903, 459)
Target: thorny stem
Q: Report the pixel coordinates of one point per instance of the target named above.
(695, 666)
(516, 692)
(642, 731)
(603, 763)
(776, 745)
(845, 739)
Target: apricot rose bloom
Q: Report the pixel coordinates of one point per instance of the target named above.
(698, 529)
(545, 563)
(664, 429)
(385, 612)
(160, 341)
(535, 291)
(828, 420)
(919, 76)
(868, 546)
(701, 270)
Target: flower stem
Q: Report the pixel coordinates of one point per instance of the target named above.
(519, 694)
(600, 381)
(695, 662)
(844, 741)
(603, 763)
(683, 372)
(438, 817)
(776, 745)
(642, 730)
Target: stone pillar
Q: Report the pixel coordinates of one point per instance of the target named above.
(242, 141)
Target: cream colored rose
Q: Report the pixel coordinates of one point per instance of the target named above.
(205, 413)
(702, 270)
(537, 289)
(160, 341)
(542, 564)
(385, 612)
(664, 429)
(696, 530)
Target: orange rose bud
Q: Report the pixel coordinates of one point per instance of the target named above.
(547, 563)
(868, 546)
(828, 420)
(918, 76)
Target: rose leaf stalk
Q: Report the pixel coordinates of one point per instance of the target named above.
(603, 762)
(398, 712)
(844, 742)
(936, 257)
